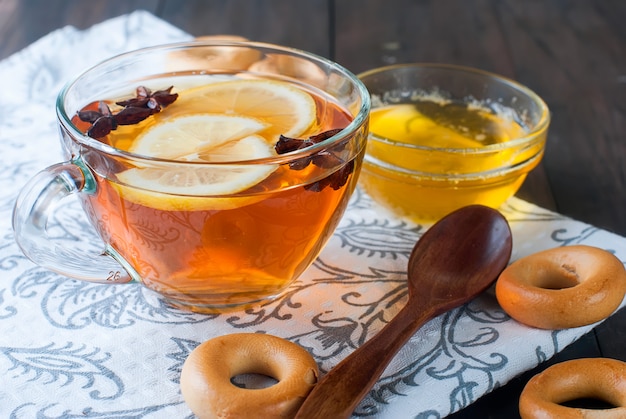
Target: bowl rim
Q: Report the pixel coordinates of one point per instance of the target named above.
(495, 175)
(539, 128)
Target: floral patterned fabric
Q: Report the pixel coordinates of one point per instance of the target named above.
(72, 349)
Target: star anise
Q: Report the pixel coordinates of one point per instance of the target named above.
(146, 99)
(135, 110)
(102, 121)
(325, 159)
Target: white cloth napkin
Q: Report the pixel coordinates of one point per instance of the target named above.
(73, 349)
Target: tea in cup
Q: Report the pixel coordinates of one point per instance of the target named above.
(212, 178)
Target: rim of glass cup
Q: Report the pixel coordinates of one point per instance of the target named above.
(354, 125)
(542, 123)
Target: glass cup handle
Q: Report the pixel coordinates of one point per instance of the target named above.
(36, 202)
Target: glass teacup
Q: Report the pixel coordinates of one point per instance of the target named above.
(214, 172)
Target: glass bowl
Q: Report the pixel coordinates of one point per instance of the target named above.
(444, 136)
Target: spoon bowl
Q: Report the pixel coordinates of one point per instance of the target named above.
(457, 259)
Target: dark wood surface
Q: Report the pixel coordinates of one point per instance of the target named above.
(571, 52)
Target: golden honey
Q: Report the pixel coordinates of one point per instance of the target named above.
(431, 156)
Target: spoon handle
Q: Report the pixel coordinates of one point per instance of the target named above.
(338, 393)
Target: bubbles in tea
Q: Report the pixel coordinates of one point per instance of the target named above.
(212, 233)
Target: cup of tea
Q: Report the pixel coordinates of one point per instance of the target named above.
(445, 136)
(213, 171)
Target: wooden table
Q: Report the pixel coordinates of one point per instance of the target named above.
(571, 52)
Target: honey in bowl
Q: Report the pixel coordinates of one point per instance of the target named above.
(431, 151)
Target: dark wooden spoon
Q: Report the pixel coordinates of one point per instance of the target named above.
(455, 260)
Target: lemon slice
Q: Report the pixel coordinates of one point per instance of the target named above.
(185, 137)
(167, 186)
(286, 109)
(198, 138)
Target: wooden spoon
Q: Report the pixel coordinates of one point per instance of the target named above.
(454, 261)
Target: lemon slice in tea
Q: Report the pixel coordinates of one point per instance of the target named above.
(183, 137)
(198, 138)
(286, 110)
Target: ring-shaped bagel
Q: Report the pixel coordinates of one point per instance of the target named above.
(588, 378)
(222, 57)
(206, 377)
(563, 287)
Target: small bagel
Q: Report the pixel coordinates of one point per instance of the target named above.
(287, 65)
(220, 37)
(588, 378)
(563, 287)
(206, 385)
(214, 57)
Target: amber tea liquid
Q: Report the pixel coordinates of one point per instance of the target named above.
(223, 249)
